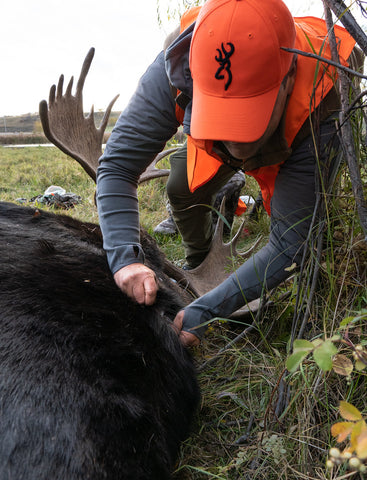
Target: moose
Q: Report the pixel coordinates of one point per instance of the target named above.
(93, 386)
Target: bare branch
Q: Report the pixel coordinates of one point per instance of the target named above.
(347, 139)
(324, 60)
(342, 12)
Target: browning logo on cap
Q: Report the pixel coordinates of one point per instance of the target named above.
(223, 58)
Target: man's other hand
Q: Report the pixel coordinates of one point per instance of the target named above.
(188, 339)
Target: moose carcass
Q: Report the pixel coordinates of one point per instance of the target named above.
(92, 385)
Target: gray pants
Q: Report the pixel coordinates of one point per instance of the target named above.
(191, 211)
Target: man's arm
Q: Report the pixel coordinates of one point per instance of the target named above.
(292, 208)
(140, 133)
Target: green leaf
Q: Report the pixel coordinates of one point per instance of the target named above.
(294, 360)
(300, 345)
(359, 366)
(323, 355)
(346, 321)
(335, 338)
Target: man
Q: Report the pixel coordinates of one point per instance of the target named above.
(246, 104)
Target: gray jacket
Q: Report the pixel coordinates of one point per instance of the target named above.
(141, 132)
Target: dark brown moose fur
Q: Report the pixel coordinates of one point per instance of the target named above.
(92, 385)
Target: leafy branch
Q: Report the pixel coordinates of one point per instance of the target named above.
(353, 428)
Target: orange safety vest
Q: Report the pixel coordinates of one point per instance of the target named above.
(311, 36)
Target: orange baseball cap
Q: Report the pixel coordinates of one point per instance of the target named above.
(237, 67)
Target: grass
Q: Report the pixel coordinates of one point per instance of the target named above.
(242, 385)
(28, 172)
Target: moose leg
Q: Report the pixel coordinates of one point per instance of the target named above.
(191, 211)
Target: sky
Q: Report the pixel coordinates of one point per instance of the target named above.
(40, 39)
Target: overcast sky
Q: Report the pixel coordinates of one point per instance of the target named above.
(40, 39)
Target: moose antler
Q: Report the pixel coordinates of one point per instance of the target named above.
(153, 172)
(65, 125)
(214, 269)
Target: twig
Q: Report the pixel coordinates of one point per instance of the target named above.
(347, 140)
(315, 277)
(349, 22)
(355, 101)
(243, 438)
(226, 347)
(283, 397)
(324, 60)
(277, 387)
(299, 301)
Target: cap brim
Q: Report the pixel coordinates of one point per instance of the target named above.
(231, 119)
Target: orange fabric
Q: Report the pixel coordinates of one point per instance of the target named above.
(305, 98)
(180, 113)
(231, 43)
(265, 177)
(202, 165)
(189, 17)
(241, 208)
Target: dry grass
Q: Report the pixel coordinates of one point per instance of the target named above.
(240, 389)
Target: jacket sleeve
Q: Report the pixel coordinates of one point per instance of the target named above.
(292, 208)
(140, 133)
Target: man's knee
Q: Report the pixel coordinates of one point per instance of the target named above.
(178, 193)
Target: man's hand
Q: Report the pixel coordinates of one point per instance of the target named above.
(138, 282)
(186, 338)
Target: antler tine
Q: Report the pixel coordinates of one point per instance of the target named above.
(69, 87)
(106, 116)
(248, 252)
(213, 270)
(153, 172)
(231, 246)
(234, 241)
(91, 113)
(218, 232)
(66, 126)
(60, 87)
(84, 72)
(51, 97)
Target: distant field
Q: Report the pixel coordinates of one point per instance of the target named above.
(30, 122)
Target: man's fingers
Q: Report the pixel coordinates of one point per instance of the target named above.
(177, 322)
(189, 339)
(144, 291)
(138, 293)
(138, 282)
(150, 290)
